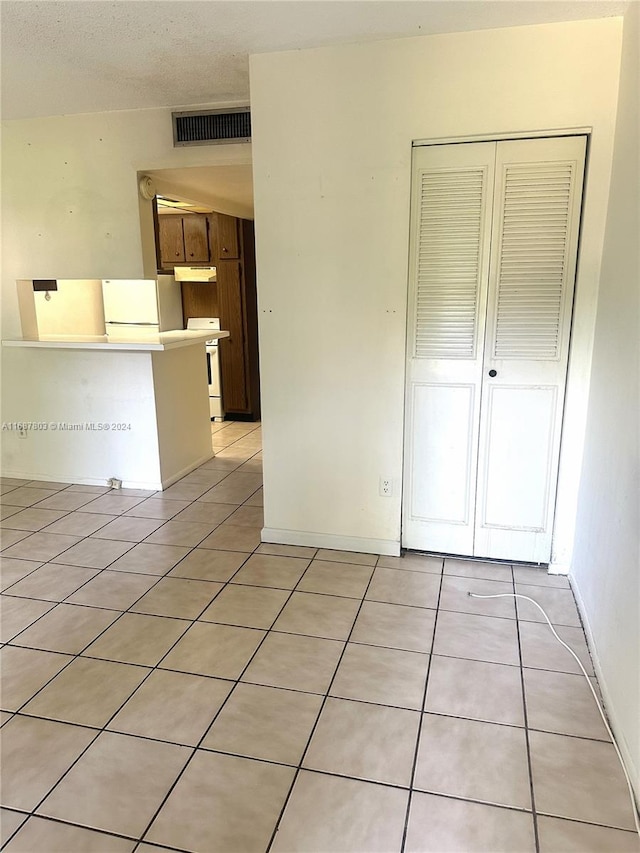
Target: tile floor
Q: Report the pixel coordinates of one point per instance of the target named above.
(171, 683)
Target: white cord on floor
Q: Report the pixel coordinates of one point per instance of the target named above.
(634, 807)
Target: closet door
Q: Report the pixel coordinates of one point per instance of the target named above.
(450, 236)
(538, 196)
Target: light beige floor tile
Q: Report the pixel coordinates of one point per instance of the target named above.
(6, 510)
(9, 823)
(454, 596)
(32, 519)
(206, 513)
(354, 738)
(558, 604)
(113, 590)
(597, 791)
(442, 825)
(178, 597)
(265, 722)
(89, 490)
(37, 546)
(128, 528)
(541, 650)
(188, 533)
(93, 553)
(13, 481)
(248, 516)
(353, 557)
(327, 813)
(246, 606)
(223, 803)
(157, 508)
(46, 484)
(486, 638)
(201, 475)
(80, 523)
(478, 569)
(54, 837)
(284, 550)
(16, 614)
(336, 579)
(118, 783)
(68, 628)
(204, 564)
(295, 662)
(535, 576)
(567, 836)
(67, 501)
(219, 650)
(473, 760)
(267, 570)
(182, 491)
(52, 582)
(562, 703)
(226, 465)
(418, 589)
(135, 638)
(112, 504)
(318, 616)
(139, 493)
(11, 538)
(382, 676)
(157, 709)
(233, 537)
(395, 626)
(251, 466)
(26, 496)
(234, 489)
(480, 691)
(88, 692)
(12, 570)
(257, 499)
(24, 671)
(35, 753)
(150, 559)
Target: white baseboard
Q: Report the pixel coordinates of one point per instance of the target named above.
(629, 762)
(388, 547)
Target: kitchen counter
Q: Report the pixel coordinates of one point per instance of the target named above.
(132, 343)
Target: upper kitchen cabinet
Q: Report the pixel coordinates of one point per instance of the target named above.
(183, 239)
(225, 237)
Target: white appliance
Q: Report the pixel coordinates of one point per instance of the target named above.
(207, 274)
(141, 306)
(216, 411)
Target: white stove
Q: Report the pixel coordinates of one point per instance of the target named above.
(216, 411)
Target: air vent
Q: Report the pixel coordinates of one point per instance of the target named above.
(211, 127)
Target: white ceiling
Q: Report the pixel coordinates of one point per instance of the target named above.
(75, 57)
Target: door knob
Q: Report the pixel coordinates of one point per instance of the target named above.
(493, 373)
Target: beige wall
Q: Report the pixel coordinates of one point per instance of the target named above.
(332, 133)
(606, 562)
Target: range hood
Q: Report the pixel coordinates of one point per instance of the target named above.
(195, 274)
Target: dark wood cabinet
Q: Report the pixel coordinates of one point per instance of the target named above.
(171, 240)
(226, 237)
(196, 239)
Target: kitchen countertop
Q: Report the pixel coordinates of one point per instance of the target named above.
(141, 343)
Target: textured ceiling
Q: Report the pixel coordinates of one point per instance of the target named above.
(74, 57)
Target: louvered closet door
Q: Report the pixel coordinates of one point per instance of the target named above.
(450, 236)
(493, 253)
(531, 281)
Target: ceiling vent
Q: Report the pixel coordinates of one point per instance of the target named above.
(211, 127)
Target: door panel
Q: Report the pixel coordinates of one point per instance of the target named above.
(232, 349)
(196, 241)
(450, 235)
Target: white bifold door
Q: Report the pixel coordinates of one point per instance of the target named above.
(494, 235)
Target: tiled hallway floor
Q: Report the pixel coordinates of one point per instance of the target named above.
(171, 683)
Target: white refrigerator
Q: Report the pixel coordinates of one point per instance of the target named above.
(141, 306)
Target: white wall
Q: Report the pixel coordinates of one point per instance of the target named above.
(606, 562)
(332, 133)
(71, 210)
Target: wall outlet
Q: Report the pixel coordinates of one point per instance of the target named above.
(386, 487)
(115, 483)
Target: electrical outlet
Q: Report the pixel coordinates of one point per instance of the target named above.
(386, 487)
(115, 483)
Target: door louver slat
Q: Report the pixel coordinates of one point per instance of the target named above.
(532, 262)
(449, 247)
